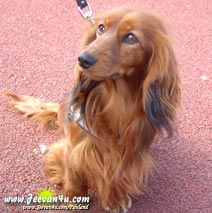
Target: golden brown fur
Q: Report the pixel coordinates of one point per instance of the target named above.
(129, 95)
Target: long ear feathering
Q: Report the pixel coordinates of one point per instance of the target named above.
(161, 92)
(80, 94)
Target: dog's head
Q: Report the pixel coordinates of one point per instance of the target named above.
(123, 42)
(133, 45)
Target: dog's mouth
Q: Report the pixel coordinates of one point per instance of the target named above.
(100, 77)
(90, 65)
(84, 65)
(113, 76)
(93, 76)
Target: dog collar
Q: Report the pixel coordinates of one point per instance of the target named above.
(74, 115)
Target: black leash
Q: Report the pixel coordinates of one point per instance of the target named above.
(86, 15)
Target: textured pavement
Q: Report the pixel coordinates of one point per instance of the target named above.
(39, 45)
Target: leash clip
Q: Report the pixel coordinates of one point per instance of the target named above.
(81, 5)
(88, 14)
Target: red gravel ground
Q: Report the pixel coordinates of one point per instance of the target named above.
(39, 44)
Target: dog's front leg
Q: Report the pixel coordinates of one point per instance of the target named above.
(114, 198)
(75, 182)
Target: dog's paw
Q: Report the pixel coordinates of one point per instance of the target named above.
(52, 173)
(52, 163)
(122, 207)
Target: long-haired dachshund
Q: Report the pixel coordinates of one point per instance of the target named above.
(126, 91)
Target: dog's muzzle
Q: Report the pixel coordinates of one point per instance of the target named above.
(86, 60)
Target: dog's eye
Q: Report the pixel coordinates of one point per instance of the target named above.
(130, 38)
(101, 28)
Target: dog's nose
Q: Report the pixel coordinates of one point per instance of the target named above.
(86, 60)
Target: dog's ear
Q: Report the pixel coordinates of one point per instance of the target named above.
(161, 92)
(90, 35)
